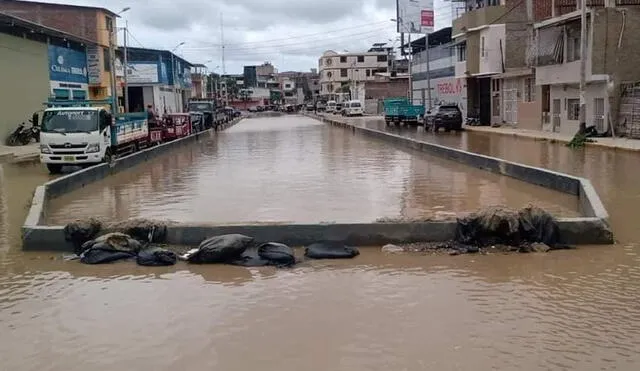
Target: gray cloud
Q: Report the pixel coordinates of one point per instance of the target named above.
(290, 34)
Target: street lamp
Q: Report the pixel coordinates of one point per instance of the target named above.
(173, 70)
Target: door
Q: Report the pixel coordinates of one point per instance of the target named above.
(484, 106)
(510, 99)
(555, 115)
(496, 101)
(598, 114)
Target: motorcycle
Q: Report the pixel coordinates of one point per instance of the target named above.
(23, 135)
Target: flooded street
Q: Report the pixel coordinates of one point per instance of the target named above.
(296, 169)
(574, 309)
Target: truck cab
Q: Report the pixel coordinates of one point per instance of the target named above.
(212, 115)
(75, 136)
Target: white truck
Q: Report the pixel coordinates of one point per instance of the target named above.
(78, 134)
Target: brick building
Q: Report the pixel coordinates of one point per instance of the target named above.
(95, 24)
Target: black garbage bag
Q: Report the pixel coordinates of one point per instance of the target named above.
(142, 229)
(115, 241)
(102, 253)
(219, 249)
(81, 231)
(156, 257)
(277, 254)
(330, 250)
(250, 258)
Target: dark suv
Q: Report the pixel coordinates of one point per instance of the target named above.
(447, 116)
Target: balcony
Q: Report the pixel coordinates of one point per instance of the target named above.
(477, 18)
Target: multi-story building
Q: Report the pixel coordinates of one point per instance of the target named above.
(37, 63)
(491, 42)
(159, 78)
(611, 57)
(262, 76)
(200, 82)
(339, 71)
(445, 86)
(95, 24)
(303, 86)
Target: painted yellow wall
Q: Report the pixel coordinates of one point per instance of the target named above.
(24, 72)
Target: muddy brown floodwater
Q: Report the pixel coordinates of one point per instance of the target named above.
(564, 310)
(296, 169)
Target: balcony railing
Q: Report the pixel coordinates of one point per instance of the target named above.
(477, 18)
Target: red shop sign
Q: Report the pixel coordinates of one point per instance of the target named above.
(426, 18)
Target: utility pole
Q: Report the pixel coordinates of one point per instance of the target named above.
(224, 68)
(410, 69)
(583, 64)
(426, 47)
(112, 62)
(124, 68)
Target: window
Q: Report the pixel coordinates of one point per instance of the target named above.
(368, 73)
(106, 59)
(482, 46)
(109, 23)
(495, 85)
(382, 58)
(462, 52)
(343, 59)
(529, 89)
(361, 59)
(573, 48)
(573, 109)
(79, 95)
(344, 72)
(61, 93)
(329, 74)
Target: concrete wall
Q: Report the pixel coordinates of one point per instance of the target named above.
(386, 89)
(446, 89)
(530, 115)
(491, 61)
(24, 67)
(572, 92)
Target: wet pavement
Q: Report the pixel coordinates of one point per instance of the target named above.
(298, 170)
(573, 309)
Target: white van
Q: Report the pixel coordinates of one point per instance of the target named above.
(352, 108)
(331, 106)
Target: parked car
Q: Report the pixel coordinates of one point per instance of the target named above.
(321, 106)
(446, 116)
(338, 108)
(331, 106)
(352, 108)
(310, 107)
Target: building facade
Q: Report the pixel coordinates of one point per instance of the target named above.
(345, 71)
(611, 55)
(37, 63)
(491, 42)
(445, 86)
(159, 78)
(97, 25)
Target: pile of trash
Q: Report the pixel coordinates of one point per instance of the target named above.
(530, 229)
(136, 239)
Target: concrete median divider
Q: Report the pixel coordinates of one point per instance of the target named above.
(591, 228)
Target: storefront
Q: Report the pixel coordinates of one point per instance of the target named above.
(68, 73)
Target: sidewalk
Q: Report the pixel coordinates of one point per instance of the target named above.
(612, 143)
(19, 153)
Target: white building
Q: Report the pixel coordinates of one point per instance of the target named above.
(350, 69)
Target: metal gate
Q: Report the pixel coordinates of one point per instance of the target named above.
(598, 114)
(510, 100)
(555, 115)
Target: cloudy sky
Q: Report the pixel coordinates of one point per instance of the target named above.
(289, 34)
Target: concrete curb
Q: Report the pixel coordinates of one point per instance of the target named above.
(593, 228)
(533, 136)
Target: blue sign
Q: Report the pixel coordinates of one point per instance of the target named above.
(67, 65)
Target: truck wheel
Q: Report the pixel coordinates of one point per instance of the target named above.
(108, 156)
(54, 168)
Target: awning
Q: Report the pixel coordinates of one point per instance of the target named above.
(516, 73)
